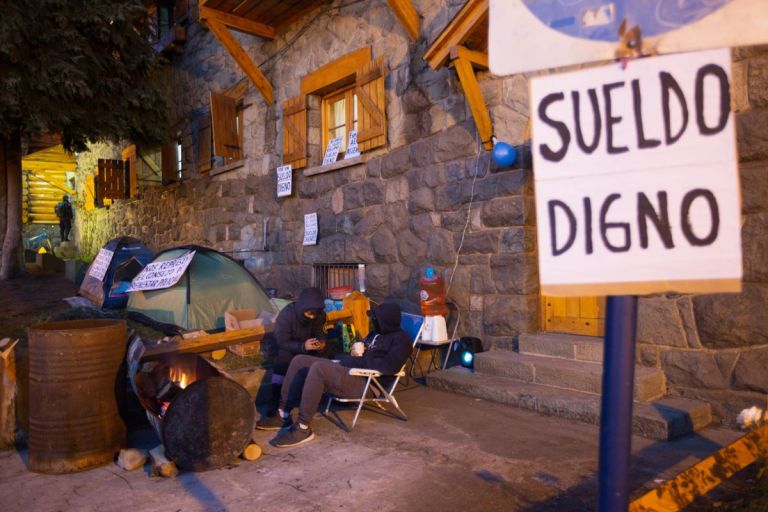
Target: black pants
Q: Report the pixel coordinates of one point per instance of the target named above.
(65, 227)
(309, 377)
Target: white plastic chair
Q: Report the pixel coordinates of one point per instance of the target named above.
(411, 324)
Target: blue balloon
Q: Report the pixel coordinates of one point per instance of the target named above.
(504, 154)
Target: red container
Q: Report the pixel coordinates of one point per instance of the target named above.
(432, 294)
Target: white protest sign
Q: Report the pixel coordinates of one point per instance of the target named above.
(352, 149)
(332, 151)
(100, 265)
(525, 35)
(637, 187)
(310, 229)
(161, 274)
(284, 180)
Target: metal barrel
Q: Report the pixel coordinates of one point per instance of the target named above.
(74, 374)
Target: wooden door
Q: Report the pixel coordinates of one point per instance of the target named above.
(574, 315)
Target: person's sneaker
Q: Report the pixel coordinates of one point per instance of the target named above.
(294, 436)
(274, 422)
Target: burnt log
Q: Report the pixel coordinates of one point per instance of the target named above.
(208, 424)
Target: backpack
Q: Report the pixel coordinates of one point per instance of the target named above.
(64, 210)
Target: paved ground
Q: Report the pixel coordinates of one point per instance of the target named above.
(454, 454)
(30, 300)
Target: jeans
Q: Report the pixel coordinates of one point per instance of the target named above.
(65, 226)
(309, 377)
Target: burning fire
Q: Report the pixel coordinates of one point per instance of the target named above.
(180, 377)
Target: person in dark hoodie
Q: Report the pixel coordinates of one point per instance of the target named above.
(386, 350)
(297, 331)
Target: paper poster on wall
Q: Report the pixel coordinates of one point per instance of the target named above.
(284, 180)
(525, 35)
(161, 274)
(332, 151)
(310, 229)
(637, 187)
(352, 149)
(100, 265)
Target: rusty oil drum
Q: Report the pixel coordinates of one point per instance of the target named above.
(74, 372)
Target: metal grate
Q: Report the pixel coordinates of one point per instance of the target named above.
(332, 275)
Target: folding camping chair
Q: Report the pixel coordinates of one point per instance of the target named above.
(411, 324)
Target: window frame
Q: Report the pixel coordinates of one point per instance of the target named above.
(347, 92)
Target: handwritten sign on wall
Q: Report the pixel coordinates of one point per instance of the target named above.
(310, 229)
(284, 181)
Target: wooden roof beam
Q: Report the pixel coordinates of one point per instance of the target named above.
(253, 72)
(458, 30)
(407, 15)
(474, 96)
(479, 59)
(251, 27)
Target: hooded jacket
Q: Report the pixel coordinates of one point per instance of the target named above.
(292, 328)
(388, 349)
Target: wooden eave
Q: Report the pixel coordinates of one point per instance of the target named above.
(469, 28)
(53, 158)
(407, 15)
(263, 18)
(464, 42)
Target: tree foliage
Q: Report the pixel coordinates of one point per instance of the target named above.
(82, 68)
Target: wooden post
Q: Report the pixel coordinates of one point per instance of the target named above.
(11, 258)
(477, 105)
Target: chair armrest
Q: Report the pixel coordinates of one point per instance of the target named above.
(364, 372)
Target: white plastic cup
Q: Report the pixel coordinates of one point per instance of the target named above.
(358, 349)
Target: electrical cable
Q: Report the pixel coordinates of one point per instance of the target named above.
(466, 226)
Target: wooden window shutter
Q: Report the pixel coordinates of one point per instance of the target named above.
(129, 155)
(204, 146)
(90, 193)
(170, 166)
(113, 180)
(226, 142)
(371, 100)
(295, 132)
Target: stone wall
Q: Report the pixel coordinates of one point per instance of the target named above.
(406, 207)
(715, 347)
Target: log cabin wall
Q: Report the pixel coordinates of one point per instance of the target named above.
(404, 205)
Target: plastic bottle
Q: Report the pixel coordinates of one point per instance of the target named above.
(432, 294)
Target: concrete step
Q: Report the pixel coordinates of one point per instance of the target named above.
(664, 419)
(581, 376)
(566, 346)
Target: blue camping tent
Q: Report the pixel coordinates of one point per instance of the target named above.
(129, 257)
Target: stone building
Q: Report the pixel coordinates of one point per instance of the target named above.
(424, 190)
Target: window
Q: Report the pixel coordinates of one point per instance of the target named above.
(179, 158)
(172, 159)
(339, 116)
(350, 94)
(336, 275)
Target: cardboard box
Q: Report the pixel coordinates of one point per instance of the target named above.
(232, 319)
(246, 319)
